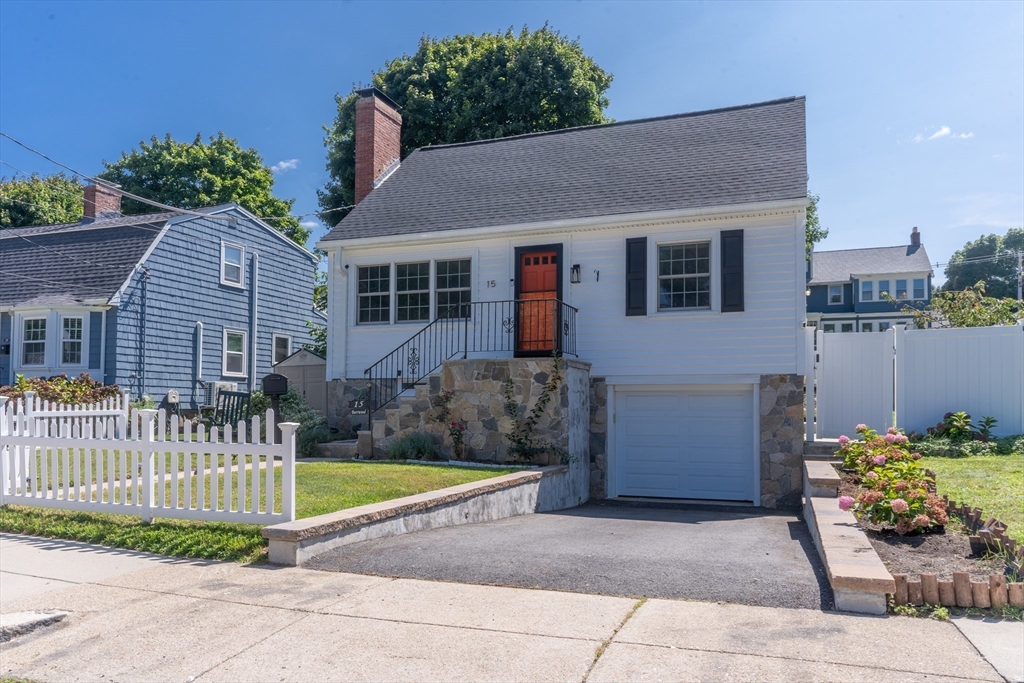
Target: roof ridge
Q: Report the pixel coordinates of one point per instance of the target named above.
(703, 112)
(119, 222)
(895, 246)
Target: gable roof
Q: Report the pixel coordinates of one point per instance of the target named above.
(73, 263)
(841, 265)
(753, 153)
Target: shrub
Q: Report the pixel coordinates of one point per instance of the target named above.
(412, 446)
(62, 389)
(942, 447)
(312, 429)
(896, 488)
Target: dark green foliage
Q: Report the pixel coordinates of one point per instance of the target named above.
(412, 446)
(312, 429)
(196, 174)
(40, 200)
(814, 231)
(473, 87)
(999, 275)
(62, 389)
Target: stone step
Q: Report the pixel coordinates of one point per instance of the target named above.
(825, 447)
(337, 449)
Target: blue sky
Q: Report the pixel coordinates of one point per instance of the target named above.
(914, 110)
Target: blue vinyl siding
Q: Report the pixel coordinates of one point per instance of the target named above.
(5, 339)
(95, 339)
(110, 352)
(184, 287)
(817, 302)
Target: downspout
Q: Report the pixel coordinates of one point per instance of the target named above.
(253, 319)
(142, 331)
(198, 383)
(103, 347)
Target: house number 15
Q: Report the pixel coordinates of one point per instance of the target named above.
(491, 284)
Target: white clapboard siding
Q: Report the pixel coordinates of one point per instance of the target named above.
(762, 339)
(854, 378)
(979, 370)
(153, 468)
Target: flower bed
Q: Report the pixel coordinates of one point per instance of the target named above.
(961, 563)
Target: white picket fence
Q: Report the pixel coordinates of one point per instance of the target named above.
(141, 463)
(911, 378)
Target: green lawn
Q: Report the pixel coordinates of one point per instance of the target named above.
(994, 483)
(319, 488)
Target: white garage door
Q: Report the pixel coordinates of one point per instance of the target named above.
(685, 443)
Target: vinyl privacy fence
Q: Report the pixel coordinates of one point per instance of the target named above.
(911, 378)
(141, 463)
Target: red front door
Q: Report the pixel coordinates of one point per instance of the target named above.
(538, 290)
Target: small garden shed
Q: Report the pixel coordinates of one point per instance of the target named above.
(307, 374)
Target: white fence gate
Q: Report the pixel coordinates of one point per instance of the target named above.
(59, 457)
(916, 376)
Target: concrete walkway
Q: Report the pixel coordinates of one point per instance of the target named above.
(136, 617)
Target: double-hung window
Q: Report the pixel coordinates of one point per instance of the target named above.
(883, 289)
(867, 291)
(847, 327)
(412, 288)
(919, 288)
(867, 327)
(231, 258)
(33, 349)
(453, 287)
(375, 294)
(882, 327)
(901, 289)
(835, 295)
(282, 347)
(828, 327)
(71, 341)
(684, 276)
(234, 353)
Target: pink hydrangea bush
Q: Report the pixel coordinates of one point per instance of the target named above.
(897, 491)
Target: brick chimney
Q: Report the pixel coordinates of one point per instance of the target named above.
(378, 138)
(915, 237)
(100, 202)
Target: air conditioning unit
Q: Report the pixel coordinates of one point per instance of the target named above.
(214, 388)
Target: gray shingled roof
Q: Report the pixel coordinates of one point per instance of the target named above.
(838, 266)
(753, 153)
(63, 264)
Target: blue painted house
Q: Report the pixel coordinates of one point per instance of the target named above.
(847, 288)
(155, 302)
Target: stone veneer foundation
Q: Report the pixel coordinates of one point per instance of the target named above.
(782, 440)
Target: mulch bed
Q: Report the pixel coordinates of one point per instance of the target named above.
(937, 552)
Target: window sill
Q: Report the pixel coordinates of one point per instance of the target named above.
(232, 285)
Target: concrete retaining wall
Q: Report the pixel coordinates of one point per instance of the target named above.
(541, 490)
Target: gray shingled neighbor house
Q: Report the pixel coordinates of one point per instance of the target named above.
(662, 258)
(155, 302)
(847, 288)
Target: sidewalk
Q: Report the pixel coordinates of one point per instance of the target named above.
(137, 617)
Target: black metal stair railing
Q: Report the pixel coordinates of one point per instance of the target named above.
(525, 327)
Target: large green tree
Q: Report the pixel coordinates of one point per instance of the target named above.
(194, 174)
(39, 200)
(814, 230)
(990, 259)
(473, 87)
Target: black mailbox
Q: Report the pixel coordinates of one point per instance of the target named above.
(275, 385)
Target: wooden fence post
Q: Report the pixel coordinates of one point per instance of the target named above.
(146, 485)
(287, 470)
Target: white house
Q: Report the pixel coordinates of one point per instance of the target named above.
(670, 251)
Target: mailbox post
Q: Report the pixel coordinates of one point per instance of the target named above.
(275, 386)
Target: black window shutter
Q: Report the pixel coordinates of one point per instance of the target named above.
(732, 271)
(636, 276)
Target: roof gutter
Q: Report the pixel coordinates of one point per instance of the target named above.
(609, 222)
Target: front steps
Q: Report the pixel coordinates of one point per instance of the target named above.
(821, 449)
(407, 412)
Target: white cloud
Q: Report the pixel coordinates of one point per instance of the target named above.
(943, 132)
(286, 165)
(310, 224)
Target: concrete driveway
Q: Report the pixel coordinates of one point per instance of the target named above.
(751, 557)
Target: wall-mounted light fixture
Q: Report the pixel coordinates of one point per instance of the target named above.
(574, 274)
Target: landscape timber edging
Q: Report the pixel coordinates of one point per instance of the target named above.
(860, 582)
(509, 495)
